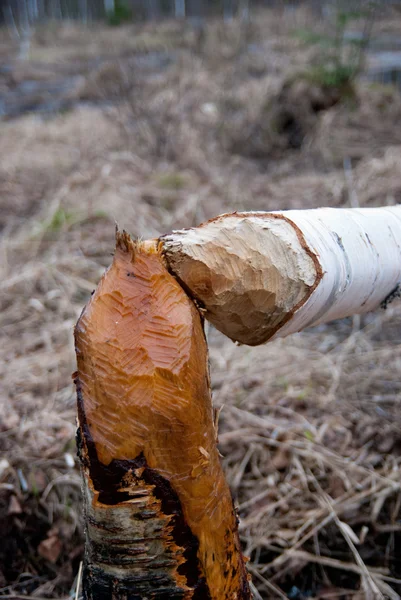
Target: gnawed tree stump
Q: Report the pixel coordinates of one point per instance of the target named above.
(160, 522)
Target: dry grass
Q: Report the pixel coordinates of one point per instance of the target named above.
(311, 439)
(310, 427)
(357, 130)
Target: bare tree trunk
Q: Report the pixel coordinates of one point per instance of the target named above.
(159, 517)
(25, 32)
(41, 10)
(9, 19)
(57, 12)
(244, 11)
(264, 275)
(196, 8)
(179, 9)
(109, 6)
(83, 11)
(33, 10)
(228, 9)
(152, 9)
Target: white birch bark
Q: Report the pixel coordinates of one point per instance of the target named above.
(265, 275)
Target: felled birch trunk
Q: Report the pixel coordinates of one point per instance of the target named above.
(160, 522)
(258, 276)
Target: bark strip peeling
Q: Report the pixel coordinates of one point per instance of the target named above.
(265, 275)
(160, 522)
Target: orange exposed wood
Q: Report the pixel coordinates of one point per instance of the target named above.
(144, 397)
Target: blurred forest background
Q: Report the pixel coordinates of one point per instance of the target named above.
(158, 115)
(87, 10)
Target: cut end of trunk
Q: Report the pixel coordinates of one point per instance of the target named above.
(249, 271)
(159, 513)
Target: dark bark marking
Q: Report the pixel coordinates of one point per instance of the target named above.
(107, 480)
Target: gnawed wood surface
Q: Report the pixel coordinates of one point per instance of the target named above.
(264, 275)
(160, 521)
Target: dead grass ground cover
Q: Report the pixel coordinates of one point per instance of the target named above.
(310, 426)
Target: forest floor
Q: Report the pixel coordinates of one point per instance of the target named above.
(163, 126)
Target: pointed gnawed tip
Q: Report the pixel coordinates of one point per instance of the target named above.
(125, 243)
